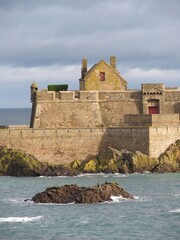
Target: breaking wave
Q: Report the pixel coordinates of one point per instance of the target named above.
(175, 211)
(20, 219)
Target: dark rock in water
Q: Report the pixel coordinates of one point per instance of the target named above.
(73, 193)
(59, 170)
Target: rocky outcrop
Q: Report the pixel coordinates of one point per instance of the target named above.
(73, 193)
(17, 163)
(112, 160)
(14, 162)
(169, 161)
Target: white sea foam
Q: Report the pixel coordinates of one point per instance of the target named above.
(177, 195)
(90, 174)
(117, 199)
(175, 211)
(54, 176)
(136, 197)
(20, 219)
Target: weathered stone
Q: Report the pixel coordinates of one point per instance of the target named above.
(75, 164)
(169, 161)
(73, 193)
(59, 170)
(142, 162)
(89, 166)
(17, 163)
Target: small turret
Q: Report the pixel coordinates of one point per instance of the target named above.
(34, 89)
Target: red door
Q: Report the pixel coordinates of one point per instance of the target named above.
(153, 110)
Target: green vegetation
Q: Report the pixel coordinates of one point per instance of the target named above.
(57, 88)
(16, 163)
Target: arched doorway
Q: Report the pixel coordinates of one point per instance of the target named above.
(153, 106)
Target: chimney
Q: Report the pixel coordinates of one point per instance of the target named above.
(84, 68)
(113, 62)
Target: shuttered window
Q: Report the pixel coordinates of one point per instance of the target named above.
(102, 76)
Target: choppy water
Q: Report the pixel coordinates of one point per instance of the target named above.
(154, 214)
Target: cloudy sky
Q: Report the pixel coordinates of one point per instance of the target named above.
(45, 40)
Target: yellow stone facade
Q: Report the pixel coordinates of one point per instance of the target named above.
(102, 76)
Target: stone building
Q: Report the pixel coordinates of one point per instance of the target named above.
(69, 125)
(101, 77)
(103, 101)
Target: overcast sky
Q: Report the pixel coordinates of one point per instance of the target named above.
(45, 40)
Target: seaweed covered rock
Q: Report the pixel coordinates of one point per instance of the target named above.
(112, 160)
(73, 193)
(14, 162)
(169, 161)
(142, 162)
(59, 170)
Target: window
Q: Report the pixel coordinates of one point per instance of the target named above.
(102, 76)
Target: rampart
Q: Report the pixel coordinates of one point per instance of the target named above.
(65, 145)
(84, 109)
(160, 138)
(91, 109)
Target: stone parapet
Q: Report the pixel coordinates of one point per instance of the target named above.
(155, 120)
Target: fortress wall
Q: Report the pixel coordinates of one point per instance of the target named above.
(85, 108)
(161, 137)
(172, 101)
(120, 95)
(113, 111)
(68, 114)
(82, 114)
(65, 145)
(71, 109)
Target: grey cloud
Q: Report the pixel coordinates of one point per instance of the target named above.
(40, 33)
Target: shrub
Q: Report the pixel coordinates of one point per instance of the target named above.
(57, 88)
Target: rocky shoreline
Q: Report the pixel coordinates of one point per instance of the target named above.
(14, 162)
(75, 194)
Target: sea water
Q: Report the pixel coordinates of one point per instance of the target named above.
(15, 116)
(153, 214)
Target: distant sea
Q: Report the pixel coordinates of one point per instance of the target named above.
(15, 116)
(154, 214)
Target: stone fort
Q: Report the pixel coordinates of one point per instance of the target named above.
(69, 125)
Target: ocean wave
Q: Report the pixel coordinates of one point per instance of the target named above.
(117, 199)
(175, 211)
(177, 195)
(105, 175)
(55, 176)
(20, 219)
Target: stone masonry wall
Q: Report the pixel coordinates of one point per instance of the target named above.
(65, 145)
(84, 109)
(161, 137)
